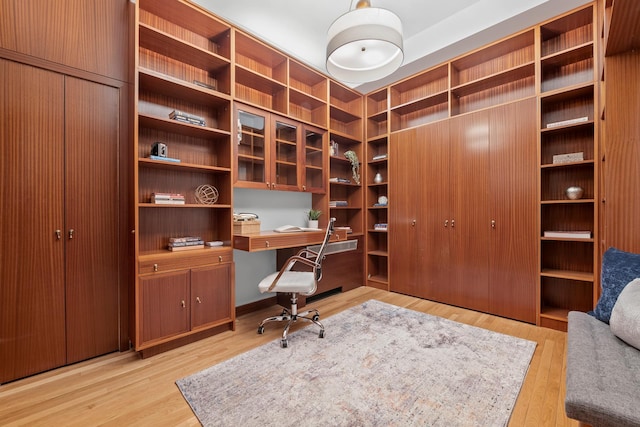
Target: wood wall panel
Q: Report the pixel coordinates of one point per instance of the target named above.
(87, 35)
(622, 152)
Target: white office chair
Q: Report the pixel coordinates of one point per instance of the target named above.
(297, 282)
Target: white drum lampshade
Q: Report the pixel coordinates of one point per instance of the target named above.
(364, 44)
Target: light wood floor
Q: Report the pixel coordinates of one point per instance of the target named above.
(122, 389)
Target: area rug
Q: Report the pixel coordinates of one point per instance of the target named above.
(378, 365)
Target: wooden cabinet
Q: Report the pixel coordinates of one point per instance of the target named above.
(183, 101)
(276, 153)
(462, 217)
(377, 181)
(177, 303)
(568, 125)
(59, 286)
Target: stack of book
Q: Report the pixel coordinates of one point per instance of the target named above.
(341, 180)
(568, 234)
(192, 119)
(336, 203)
(167, 198)
(185, 243)
(380, 226)
(379, 157)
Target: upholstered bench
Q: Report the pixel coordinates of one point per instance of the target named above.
(603, 349)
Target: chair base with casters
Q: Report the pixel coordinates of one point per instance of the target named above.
(291, 316)
(297, 283)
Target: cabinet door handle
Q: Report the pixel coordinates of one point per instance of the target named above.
(182, 304)
(493, 223)
(453, 223)
(268, 184)
(71, 234)
(413, 222)
(304, 188)
(155, 267)
(198, 300)
(58, 234)
(266, 243)
(446, 223)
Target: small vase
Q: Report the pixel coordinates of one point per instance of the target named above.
(313, 223)
(378, 178)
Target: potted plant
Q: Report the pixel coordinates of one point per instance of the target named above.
(312, 217)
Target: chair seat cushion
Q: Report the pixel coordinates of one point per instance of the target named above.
(301, 282)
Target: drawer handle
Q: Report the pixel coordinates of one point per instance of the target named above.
(155, 267)
(219, 258)
(266, 243)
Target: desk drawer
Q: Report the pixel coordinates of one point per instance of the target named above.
(170, 261)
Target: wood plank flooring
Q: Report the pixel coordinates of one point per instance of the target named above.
(123, 389)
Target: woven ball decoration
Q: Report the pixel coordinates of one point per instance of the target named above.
(206, 194)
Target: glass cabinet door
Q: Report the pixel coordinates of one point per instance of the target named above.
(285, 155)
(314, 160)
(251, 153)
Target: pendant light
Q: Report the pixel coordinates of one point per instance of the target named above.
(364, 44)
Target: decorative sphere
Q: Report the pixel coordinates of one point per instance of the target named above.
(574, 192)
(206, 194)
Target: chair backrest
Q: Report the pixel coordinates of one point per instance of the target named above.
(323, 247)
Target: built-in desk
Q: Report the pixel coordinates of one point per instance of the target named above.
(270, 240)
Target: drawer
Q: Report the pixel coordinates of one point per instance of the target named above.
(170, 261)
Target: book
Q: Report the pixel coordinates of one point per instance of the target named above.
(342, 180)
(168, 202)
(184, 239)
(189, 243)
(166, 159)
(567, 122)
(178, 113)
(568, 234)
(294, 229)
(568, 158)
(336, 203)
(379, 157)
(185, 248)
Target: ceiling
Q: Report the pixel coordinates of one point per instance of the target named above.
(434, 31)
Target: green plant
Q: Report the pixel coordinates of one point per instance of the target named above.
(355, 165)
(314, 214)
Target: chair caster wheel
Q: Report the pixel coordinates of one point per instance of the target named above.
(321, 334)
(260, 330)
(316, 317)
(284, 344)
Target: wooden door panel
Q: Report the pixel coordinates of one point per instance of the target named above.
(471, 223)
(211, 295)
(164, 301)
(32, 330)
(514, 239)
(91, 234)
(434, 207)
(404, 166)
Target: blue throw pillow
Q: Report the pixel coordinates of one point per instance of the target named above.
(618, 269)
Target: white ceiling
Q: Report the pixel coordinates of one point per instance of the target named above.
(434, 30)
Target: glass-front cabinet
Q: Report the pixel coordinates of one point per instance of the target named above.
(267, 150)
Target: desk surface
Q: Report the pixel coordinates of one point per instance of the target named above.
(269, 240)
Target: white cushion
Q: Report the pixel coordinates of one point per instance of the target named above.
(625, 316)
(301, 282)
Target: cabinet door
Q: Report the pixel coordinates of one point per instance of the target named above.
(470, 222)
(434, 210)
(250, 148)
(32, 300)
(164, 305)
(91, 181)
(286, 156)
(514, 213)
(211, 295)
(315, 160)
(404, 191)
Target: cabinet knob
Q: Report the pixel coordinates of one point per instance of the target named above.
(198, 300)
(304, 188)
(413, 222)
(493, 223)
(58, 234)
(446, 223)
(453, 223)
(182, 304)
(268, 184)
(71, 233)
(155, 267)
